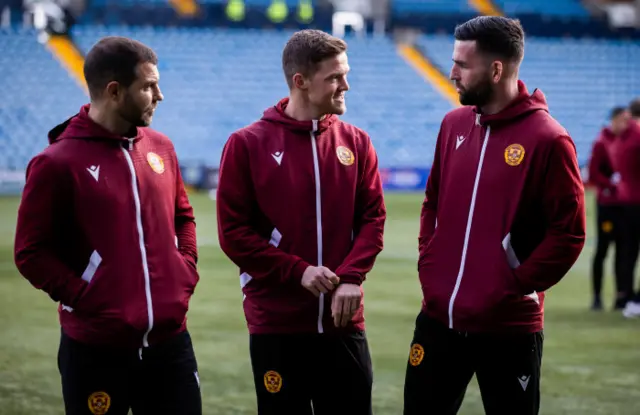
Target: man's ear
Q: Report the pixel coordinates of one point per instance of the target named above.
(497, 71)
(300, 81)
(112, 91)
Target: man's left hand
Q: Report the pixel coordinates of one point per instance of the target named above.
(346, 301)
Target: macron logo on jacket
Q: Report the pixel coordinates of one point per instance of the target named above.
(94, 171)
(277, 156)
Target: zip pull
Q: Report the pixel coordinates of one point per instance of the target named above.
(130, 144)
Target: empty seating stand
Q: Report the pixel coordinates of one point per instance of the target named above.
(582, 79)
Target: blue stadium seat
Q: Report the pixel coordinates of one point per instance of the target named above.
(555, 8)
(216, 81)
(432, 6)
(38, 93)
(582, 79)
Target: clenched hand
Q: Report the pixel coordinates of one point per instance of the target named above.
(319, 280)
(346, 301)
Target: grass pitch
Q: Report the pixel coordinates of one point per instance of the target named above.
(591, 361)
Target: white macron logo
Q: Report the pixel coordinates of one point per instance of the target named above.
(94, 171)
(524, 382)
(459, 141)
(277, 156)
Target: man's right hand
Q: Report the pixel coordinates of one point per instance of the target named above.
(319, 280)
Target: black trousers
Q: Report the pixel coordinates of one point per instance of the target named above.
(105, 381)
(631, 247)
(305, 374)
(610, 224)
(442, 362)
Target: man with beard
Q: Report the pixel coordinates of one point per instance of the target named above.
(301, 213)
(503, 220)
(106, 229)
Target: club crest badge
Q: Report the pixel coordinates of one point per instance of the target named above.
(607, 226)
(99, 403)
(514, 154)
(272, 381)
(156, 162)
(345, 155)
(416, 354)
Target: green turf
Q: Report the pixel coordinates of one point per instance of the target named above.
(591, 360)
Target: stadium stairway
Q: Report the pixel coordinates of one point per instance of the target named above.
(582, 79)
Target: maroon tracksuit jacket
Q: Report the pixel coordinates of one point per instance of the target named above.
(601, 168)
(625, 157)
(503, 219)
(105, 228)
(293, 194)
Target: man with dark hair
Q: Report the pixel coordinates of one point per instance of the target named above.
(626, 163)
(634, 110)
(503, 221)
(106, 229)
(301, 213)
(609, 212)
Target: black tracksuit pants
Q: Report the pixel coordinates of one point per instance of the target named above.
(305, 374)
(610, 224)
(163, 380)
(443, 361)
(631, 247)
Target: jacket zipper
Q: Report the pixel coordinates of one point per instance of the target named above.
(316, 170)
(465, 245)
(143, 250)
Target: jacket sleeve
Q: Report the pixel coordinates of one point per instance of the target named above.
(564, 210)
(185, 223)
(429, 211)
(44, 199)
(236, 207)
(370, 216)
(600, 169)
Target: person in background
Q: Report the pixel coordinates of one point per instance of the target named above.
(609, 211)
(628, 159)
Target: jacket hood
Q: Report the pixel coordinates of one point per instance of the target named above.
(525, 103)
(607, 134)
(276, 114)
(81, 126)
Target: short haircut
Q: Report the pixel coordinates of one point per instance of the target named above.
(617, 111)
(494, 35)
(306, 49)
(115, 58)
(634, 108)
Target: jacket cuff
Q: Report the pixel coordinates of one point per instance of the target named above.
(74, 290)
(191, 260)
(298, 270)
(354, 278)
(520, 287)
